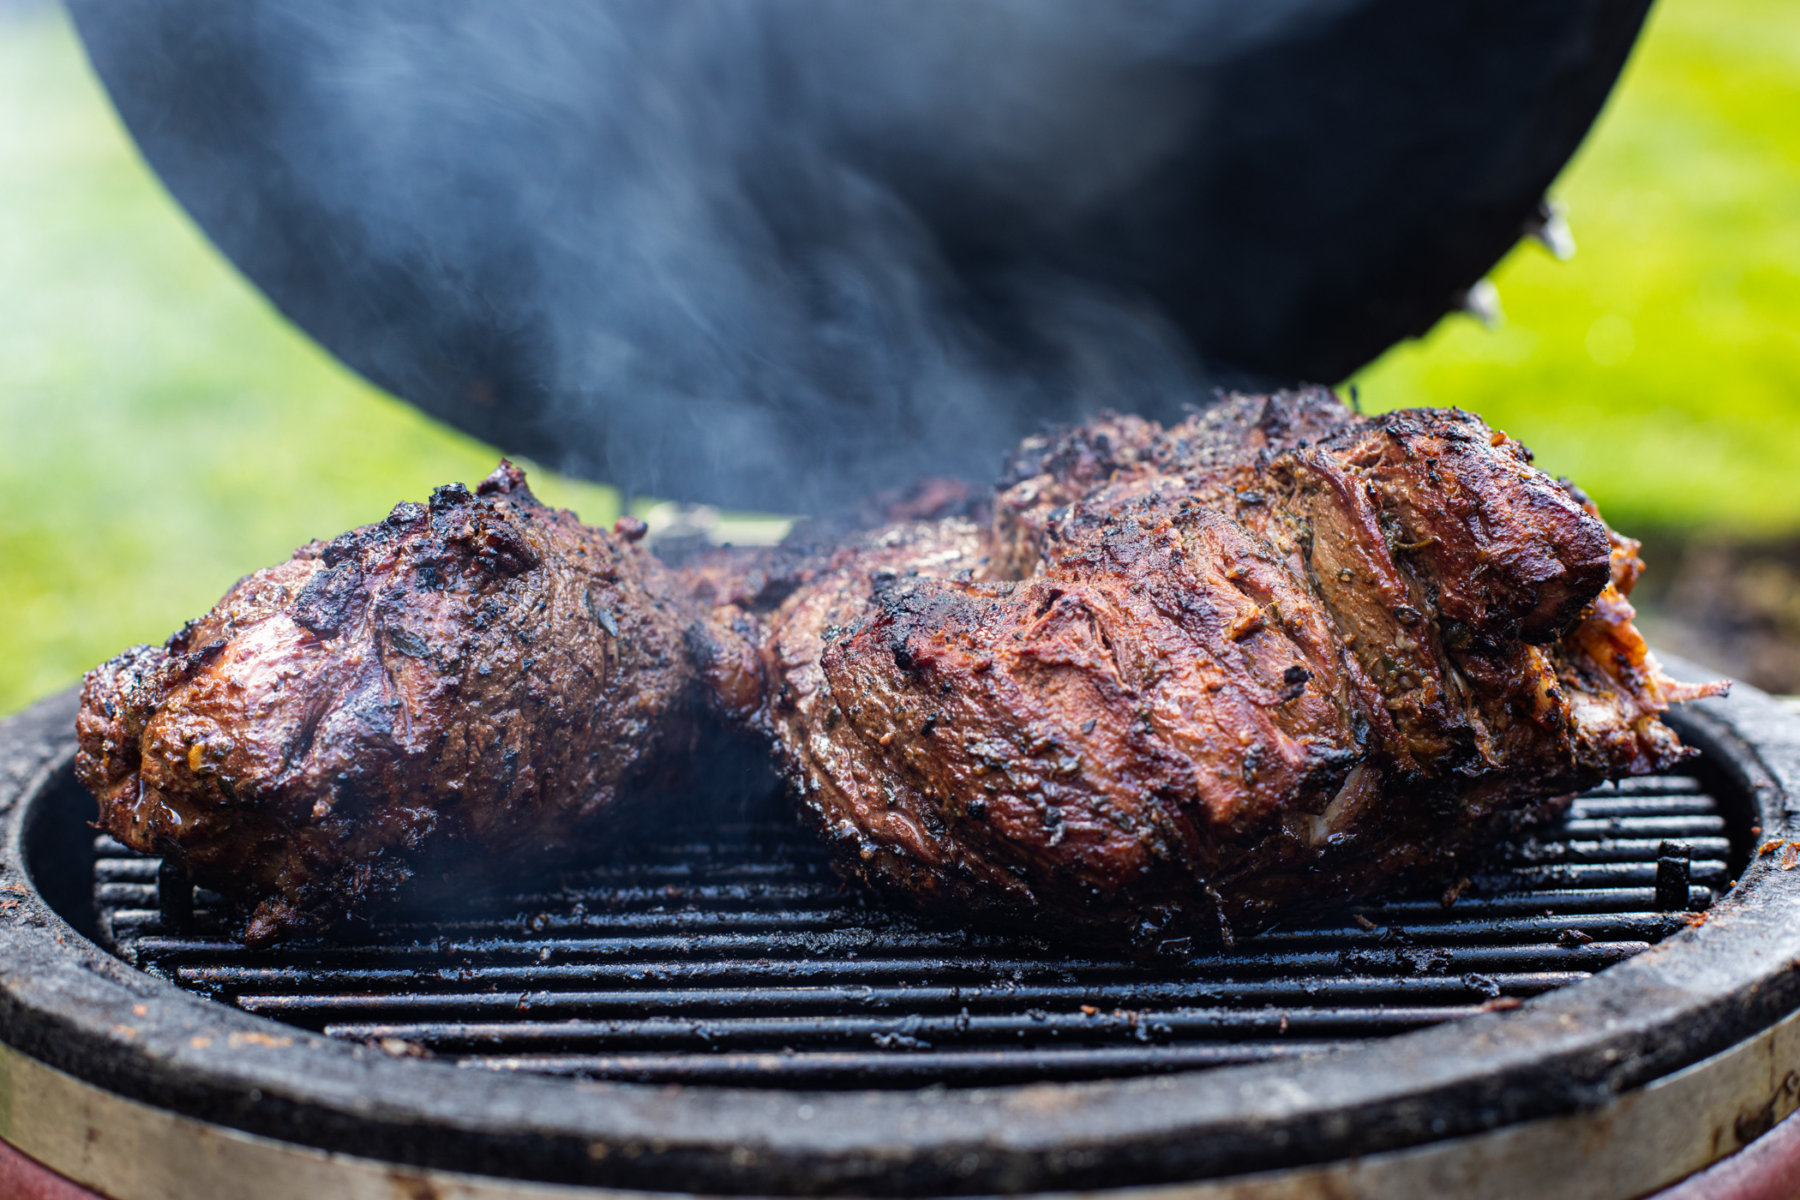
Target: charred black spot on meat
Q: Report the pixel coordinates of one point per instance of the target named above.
(331, 599)
(450, 495)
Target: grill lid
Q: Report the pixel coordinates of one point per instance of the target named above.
(770, 255)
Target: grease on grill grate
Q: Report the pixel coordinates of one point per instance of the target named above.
(733, 955)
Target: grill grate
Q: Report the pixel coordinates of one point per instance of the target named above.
(729, 953)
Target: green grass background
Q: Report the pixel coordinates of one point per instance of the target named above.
(164, 430)
(1660, 367)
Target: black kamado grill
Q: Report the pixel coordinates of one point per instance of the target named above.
(1603, 1010)
(448, 196)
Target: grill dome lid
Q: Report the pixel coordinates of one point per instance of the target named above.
(768, 255)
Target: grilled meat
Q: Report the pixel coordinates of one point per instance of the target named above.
(1169, 684)
(479, 674)
(1273, 657)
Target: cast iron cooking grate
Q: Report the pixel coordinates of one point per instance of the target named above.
(729, 953)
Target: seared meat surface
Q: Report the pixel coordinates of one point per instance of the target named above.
(480, 674)
(1273, 657)
(1168, 683)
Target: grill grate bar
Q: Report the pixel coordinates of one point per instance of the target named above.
(1570, 902)
(591, 959)
(928, 998)
(1603, 807)
(1385, 963)
(134, 909)
(1610, 850)
(1710, 872)
(1470, 986)
(921, 1031)
(899, 1068)
(1454, 928)
(1649, 785)
(1684, 825)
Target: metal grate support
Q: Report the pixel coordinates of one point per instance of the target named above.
(731, 954)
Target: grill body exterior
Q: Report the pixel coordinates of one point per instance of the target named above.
(1611, 1009)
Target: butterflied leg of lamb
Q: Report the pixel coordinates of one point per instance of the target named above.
(1171, 682)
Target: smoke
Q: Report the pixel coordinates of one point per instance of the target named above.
(763, 253)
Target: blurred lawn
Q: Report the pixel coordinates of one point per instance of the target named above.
(166, 431)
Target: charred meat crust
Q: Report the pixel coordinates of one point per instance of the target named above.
(1166, 683)
(1271, 658)
(479, 670)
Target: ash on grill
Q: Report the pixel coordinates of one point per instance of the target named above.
(729, 953)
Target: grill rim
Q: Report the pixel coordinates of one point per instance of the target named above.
(70, 1004)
